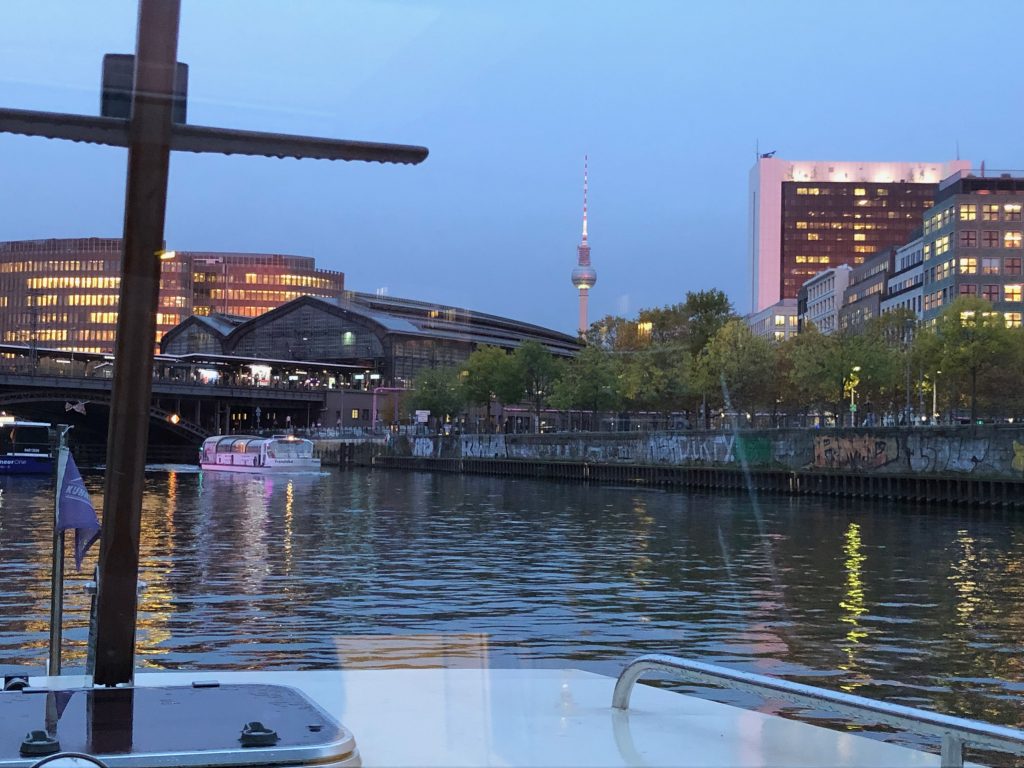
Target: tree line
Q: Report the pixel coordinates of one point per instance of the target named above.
(696, 360)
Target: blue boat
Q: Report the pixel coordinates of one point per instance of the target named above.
(24, 447)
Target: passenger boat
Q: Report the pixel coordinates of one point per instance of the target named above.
(246, 453)
(24, 447)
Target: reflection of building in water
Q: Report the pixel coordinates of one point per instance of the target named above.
(964, 576)
(158, 559)
(853, 603)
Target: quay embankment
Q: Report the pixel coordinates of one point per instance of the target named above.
(972, 465)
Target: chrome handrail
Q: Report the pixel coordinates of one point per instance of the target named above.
(955, 732)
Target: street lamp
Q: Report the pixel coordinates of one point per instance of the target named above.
(854, 380)
(935, 397)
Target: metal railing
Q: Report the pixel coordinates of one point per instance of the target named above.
(955, 732)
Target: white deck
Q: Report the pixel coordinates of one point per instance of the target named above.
(473, 717)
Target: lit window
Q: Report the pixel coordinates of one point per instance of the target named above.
(942, 245)
(968, 212)
(859, 191)
(813, 236)
(990, 292)
(990, 266)
(990, 212)
(969, 238)
(801, 225)
(1012, 319)
(1011, 239)
(860, 236)
(1011, 292)
(1011, 212)
(780, 319)
(968, 266)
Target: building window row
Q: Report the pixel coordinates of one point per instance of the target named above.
(938, 220)
(68, 281)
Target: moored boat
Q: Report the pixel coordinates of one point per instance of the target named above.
(24, 447)
(249, 453)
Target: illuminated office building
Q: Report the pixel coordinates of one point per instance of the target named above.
(810, 216)
(63, 294)
(973, 244)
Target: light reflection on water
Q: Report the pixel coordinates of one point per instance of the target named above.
(246, 571)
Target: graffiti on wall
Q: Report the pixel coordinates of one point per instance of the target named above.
(681, 449)
(854, 451)
(423, 447)
(947, 454)
(1018, 456)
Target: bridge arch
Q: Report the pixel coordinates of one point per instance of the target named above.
(183, 428)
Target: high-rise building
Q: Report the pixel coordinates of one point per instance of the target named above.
(974, 243)
(904, 287)
(584, 276)
(808, 216)
(862, 299)
(63, 294)
(820, 299)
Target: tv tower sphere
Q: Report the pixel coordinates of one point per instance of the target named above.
(584, 278)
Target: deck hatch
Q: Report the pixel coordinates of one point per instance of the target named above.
(180, 725)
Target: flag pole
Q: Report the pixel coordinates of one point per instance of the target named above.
(57, 585)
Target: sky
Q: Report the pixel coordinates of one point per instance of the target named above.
(669, 99)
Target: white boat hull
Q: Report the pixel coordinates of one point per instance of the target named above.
(307, 465)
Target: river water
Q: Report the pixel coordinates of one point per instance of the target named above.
(378, 568)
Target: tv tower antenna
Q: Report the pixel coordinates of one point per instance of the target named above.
(584, 276)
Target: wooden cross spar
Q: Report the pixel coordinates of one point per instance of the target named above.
(150, 135)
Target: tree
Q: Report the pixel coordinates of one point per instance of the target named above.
(532, 376)
(705, 313)
(657, 379)
(826, 370)
(438, 390)
(489, 371)
(737, 366)
(612, 332)
(969, 341)
(588, 382)
(810, 355)
(896, 331)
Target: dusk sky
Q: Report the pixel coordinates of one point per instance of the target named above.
(667, 98)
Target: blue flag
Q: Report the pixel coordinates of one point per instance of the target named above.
(74, 508)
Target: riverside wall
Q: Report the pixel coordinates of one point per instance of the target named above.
(981, 452)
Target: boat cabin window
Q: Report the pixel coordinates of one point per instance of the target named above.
(24, 439)
(291, 449)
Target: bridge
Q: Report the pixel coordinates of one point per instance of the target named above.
(181, 411)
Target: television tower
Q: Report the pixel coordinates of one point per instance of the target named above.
(584, 276)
